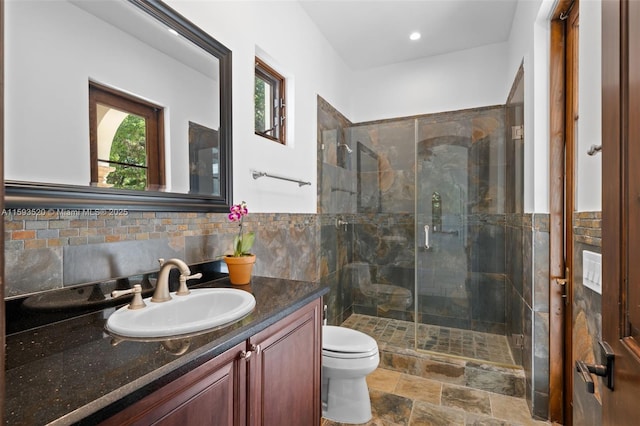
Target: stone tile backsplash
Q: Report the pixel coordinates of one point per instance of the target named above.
(64, 248)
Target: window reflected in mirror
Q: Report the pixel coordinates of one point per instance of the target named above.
(126, 140)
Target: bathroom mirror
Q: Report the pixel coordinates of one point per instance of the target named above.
(136, 49)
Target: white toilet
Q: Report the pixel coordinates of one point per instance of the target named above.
(347, 357)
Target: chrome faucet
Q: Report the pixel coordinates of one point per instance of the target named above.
(161, 294)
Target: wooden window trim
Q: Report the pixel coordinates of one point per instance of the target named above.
(268, 73)
(154, 116)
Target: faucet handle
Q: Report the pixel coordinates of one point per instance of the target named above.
(184, 290)
(137, 302)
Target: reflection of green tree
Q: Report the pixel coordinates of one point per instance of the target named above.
(259, 100)
(129, 146)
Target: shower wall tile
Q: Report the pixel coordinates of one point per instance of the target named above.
(487, 235)
(515, 323)
(540, 374)
(541, 271)
(394, 143)
(328, 249)
(526, 291)
(332, 128)
(529, 302)
(338, 193)
(527, 358)
(488, 301)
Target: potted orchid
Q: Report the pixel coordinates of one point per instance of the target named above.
(240, 263)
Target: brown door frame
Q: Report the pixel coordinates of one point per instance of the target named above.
(2, 308)
(561, 206)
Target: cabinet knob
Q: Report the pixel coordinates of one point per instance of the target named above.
(246, 355)
(256, 349)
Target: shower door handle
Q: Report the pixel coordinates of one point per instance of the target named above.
(426, 238)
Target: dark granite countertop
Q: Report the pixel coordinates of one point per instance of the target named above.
(71, 372)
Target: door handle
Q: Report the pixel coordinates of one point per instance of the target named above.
(606, 371)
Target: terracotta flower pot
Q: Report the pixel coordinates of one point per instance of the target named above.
(240, 268)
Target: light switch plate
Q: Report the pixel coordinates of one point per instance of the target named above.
(592, 270)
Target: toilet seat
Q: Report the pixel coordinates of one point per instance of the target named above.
(342, 342)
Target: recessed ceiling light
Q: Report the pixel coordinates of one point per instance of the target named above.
(172, 31)
(415, 36)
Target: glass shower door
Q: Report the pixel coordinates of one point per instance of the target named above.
(442, 297)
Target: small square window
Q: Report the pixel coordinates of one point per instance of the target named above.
(270, 104)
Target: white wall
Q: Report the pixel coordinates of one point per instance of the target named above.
(529, 45)
(296, 48)
(470, 78)
(589, 168)
(465, 79)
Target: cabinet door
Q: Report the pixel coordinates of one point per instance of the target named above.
(212, 394)
(284, 371)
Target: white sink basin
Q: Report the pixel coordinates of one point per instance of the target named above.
(201, 310)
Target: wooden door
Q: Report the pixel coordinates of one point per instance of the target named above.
(621, 207)
(212, 394)
(284, 373)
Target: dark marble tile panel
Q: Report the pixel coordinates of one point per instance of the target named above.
(541, 352)
(462, 323)
(488, 297)
(487, 251)
(488, 327)
(95, 262)
(540, 409)
(486, 188)
(201, 248)
(328, 249)
(449, 307)
(32, 271)
(515, 324)
(528, 254)
(287, 252)
(541, 271)
(527, 353)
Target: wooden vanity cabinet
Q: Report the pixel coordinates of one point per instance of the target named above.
(284, 375)
(273, 378)
(212, 394)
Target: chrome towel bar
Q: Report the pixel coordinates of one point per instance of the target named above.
(256, 174)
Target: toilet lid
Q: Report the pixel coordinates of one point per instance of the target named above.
(346, 340)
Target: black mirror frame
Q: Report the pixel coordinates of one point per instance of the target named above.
(30, 195)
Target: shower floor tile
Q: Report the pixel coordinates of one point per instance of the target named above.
(400, 334)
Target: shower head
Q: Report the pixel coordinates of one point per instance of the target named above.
(349, 150)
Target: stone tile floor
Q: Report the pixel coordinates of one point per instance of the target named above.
(413, 389)
(402, 399)
(450, 341)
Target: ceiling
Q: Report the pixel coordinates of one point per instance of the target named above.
(370, 33)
